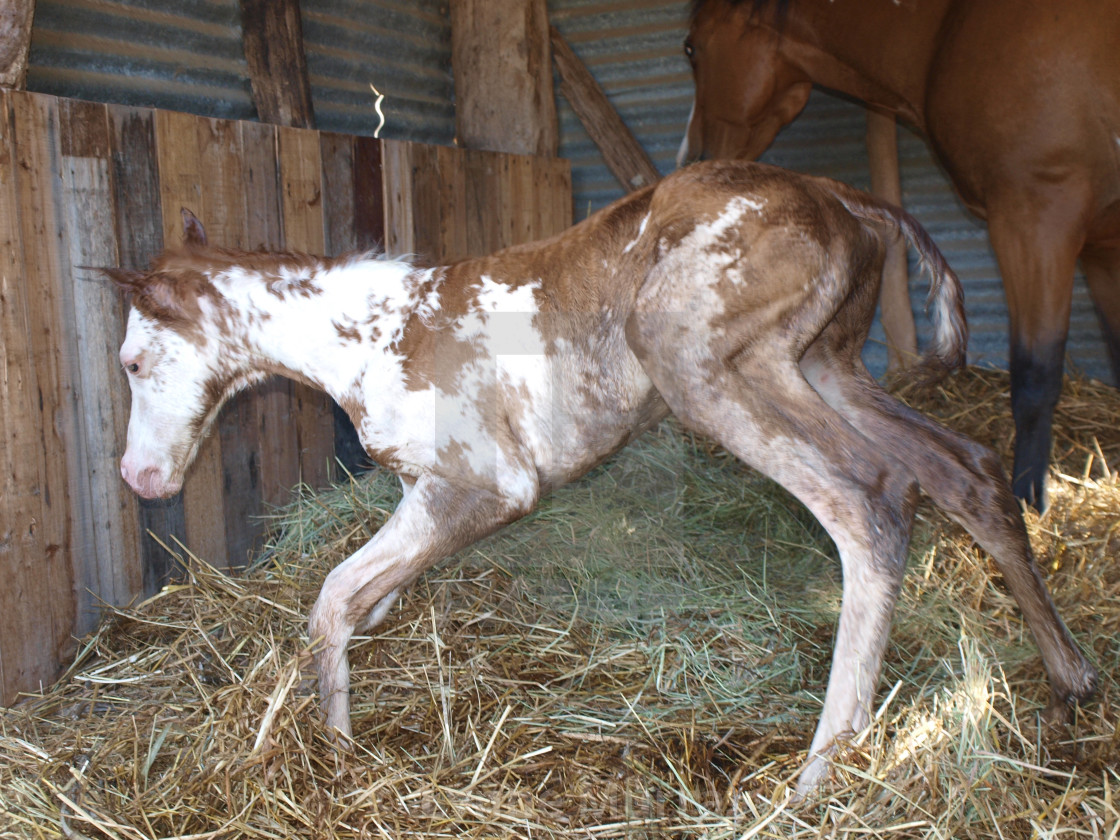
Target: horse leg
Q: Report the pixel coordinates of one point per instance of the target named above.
(896, 312)
(436, 518)
(1102, 275)
(763, 411)
(1036, 242)
(966, 481)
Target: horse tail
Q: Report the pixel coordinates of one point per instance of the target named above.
(945, 302)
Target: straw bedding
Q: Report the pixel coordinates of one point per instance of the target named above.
(643, 657)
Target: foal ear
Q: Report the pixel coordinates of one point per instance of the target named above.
(193, 231)
(161, 298)
(123, 278)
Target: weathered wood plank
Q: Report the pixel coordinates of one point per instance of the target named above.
(106, 513)
(227, 149)
(271, 418)
(557, 195)
(481, 220)
(21, 462)
(182, 180)
(15, 41)
(369, 195)
(301, 194)
(38, 164)
(526, 222)
(451, 186)
(621, 151)
(503, 76)
(140, 238)
(13, 404)
(40, 607)
(426, 226)
(548, 200)
(503, 209)
(339, 211)
(264, 225)
(397, 188)
(340, 221)
(301, 199)
(272, 37)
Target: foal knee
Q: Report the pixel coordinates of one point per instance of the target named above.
(379, 611)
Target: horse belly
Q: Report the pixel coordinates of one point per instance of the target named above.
(585, 402)
(1051, 120)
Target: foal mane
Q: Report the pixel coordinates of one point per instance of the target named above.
(169, 292)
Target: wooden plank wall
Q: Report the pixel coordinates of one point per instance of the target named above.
(85, 184)
(446, 204)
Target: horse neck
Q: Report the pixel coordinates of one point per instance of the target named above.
(881, 55)
(320, 326)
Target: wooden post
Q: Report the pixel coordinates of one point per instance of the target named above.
(623, 154)
(15, 41)
(503, 76)
(895, 313)
(272, 37)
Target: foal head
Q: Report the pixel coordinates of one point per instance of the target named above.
(179, 371)
(746, 89)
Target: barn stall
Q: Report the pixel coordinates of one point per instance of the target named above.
(543, 685)
(89, 185)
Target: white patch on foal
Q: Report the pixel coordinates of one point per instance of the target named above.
(510, 370)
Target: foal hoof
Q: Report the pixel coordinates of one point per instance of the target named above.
(811, 778)
(1059, 712)
(342, 742)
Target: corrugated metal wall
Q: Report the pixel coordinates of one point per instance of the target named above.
(186, 55)
(633, 47)
(402, 47)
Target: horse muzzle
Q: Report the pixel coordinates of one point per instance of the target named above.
(148, 481)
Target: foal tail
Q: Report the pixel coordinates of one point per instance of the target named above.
(946, 297)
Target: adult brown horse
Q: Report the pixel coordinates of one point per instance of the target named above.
(1020, 100)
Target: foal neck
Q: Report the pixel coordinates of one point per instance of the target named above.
(317, 320)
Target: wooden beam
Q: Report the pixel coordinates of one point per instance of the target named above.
(896, 314)
(272, 37)
(622, 152)
(503, 77)
(15, 41)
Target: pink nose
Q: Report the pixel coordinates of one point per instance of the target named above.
(144, 481)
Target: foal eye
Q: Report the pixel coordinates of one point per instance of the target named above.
(688, 48)
(133, 368)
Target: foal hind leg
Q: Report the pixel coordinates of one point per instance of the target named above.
(966, 481)
(767, 415)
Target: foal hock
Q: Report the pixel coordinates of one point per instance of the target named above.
(734, 295)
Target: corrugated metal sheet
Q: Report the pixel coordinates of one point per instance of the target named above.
(183, 55)
(403, 48)
(186, 55)
(633, 47)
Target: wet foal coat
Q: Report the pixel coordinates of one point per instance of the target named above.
(735, 296)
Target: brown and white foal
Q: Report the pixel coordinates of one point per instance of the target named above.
(733, 295)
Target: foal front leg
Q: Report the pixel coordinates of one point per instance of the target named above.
(435, 519)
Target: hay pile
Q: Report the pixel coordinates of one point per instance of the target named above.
(643, 657)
